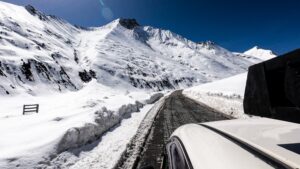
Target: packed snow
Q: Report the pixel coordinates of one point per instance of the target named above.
(225, 95)
(108, 152)
(32, 138)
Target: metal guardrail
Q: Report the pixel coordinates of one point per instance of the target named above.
(30, 108)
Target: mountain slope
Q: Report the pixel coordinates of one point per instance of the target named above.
(40, 52)
(34, 48)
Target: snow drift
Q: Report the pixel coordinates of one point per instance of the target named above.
(225, 95)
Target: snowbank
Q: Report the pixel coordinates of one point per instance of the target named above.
(106, 153)
(103, 153)
(154, 98)
(104, 120)
(225, 95)
(138, 141)
(65, 121)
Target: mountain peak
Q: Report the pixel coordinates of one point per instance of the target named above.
(128, 23)
(260, 53)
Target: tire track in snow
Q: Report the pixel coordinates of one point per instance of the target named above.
(176, 110)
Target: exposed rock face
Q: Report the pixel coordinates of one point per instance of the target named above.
(129, 23)
(85, 76)
(26, 70)
(33, 11)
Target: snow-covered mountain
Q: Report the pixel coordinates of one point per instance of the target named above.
(114, 71)
(260, 53)
(41, 52)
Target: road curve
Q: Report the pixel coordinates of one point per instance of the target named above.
(176, 111)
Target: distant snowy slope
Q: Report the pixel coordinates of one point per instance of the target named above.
(41, 53)
(234, 85)
(225, 95)
(260, 53)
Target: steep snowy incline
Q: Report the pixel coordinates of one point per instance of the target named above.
(35, 49)
(121, 58)
(40, 53)
(211, 60)
(259, 53)
(152, 58)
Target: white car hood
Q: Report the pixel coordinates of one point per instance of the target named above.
(208, 149)
(278, 139)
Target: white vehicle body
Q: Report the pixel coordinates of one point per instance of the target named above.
(258, 143)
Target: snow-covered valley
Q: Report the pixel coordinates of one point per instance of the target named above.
(94, 82)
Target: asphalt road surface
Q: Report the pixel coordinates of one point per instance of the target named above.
(177, 110)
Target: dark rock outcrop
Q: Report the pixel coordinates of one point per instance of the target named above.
(26, 70)
(85, 76)
(35, 12)
(129, 23)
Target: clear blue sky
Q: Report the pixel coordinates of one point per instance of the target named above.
(235, 24)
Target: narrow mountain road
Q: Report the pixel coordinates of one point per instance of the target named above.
(176, 111)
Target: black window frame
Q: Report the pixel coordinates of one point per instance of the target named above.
(175, 141)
